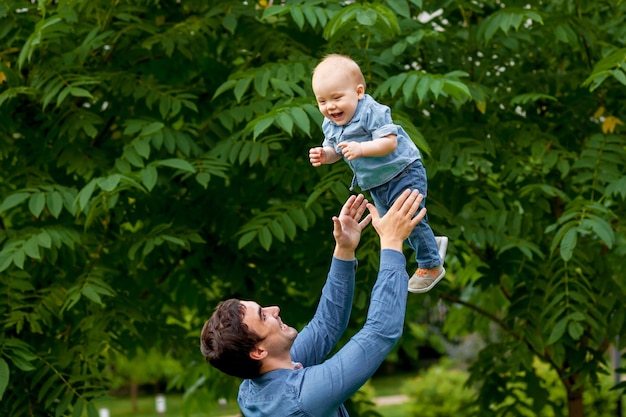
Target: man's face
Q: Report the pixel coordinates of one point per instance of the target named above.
(336, 93)
(266, 322)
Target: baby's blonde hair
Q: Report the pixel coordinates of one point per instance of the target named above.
(347, 63)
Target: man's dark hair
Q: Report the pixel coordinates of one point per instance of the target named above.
(226, 341)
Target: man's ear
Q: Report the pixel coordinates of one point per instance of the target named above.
(258, 353)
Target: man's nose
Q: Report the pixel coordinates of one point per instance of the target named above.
(274, 310)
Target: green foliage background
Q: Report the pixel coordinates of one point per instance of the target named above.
(441, 391)
(153, 161)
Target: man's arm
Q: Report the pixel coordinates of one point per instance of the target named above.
(325, 387)
(317, 339)
(331, 318)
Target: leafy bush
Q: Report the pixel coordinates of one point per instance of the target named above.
(440, 391)
(361, 403)
(145, 367)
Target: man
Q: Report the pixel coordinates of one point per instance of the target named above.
(285, 373)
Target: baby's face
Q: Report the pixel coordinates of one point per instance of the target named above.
(337, 94)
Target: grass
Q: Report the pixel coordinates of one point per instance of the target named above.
(396, 410)
(385, 386)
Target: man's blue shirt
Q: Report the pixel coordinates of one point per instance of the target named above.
(321, 386)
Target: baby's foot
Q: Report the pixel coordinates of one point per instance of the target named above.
(425, 279)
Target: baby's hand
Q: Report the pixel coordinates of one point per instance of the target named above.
(351, 150)
(317, 156)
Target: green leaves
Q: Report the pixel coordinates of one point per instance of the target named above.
(279, 221)
(15, 92)
(99, 129)
(19, 353)
(91, 286)
(4, 376)
(162, 234)
(301, 14)
(208, 167)
(415, 86)
(13, 200)
(153, 161)
(52, 197)
(334, 182)
(531, 98)
(612, 65)
(298, 114)
(373, 18)
(506, 19)
(176, 163)
(32, 244)
(46, 30)
(584, 219)
(599, 165)
(570, 312)
(268, 80)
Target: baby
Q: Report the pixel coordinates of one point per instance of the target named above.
(385, 161)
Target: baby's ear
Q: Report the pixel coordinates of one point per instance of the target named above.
(360, 91)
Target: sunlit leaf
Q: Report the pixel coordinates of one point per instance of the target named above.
(4, 376)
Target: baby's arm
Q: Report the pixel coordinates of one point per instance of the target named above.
(323, 155)
(377, 147)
